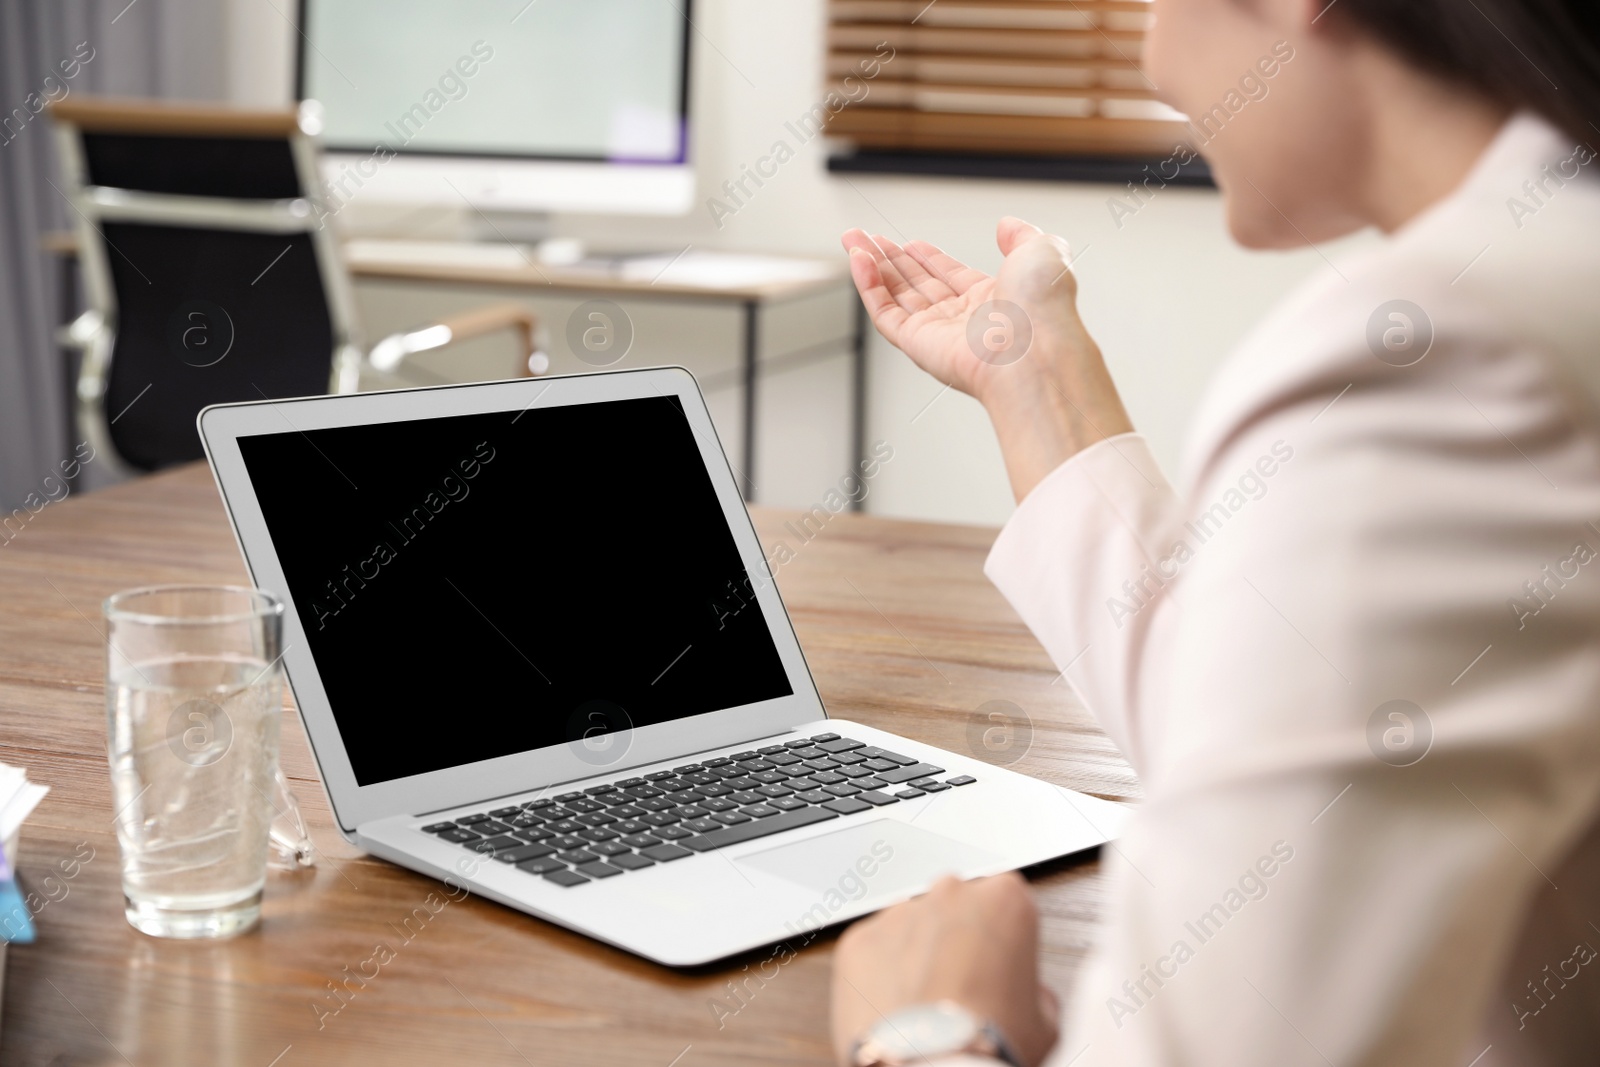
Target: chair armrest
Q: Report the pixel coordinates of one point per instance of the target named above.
(388, 354)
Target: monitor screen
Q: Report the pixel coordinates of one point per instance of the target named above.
(482, 585)
(532, 79)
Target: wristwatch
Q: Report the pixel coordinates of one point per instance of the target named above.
(925, 1032)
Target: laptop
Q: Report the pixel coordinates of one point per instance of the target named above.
(540, 655)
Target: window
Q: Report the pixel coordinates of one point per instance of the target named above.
(1051, 78)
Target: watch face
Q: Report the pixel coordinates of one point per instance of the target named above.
(925, 1030)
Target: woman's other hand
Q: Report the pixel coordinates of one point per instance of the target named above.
(975, 943)
(1014, 341)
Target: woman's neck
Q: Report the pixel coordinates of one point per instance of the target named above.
(1424, 137)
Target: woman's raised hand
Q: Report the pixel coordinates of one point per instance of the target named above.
(1013, 340)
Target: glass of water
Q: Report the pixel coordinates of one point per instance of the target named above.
(194, 692)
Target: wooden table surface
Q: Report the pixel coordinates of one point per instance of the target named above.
(901, 631)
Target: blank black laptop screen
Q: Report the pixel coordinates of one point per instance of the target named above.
(482, 585)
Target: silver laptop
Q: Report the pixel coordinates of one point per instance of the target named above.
(539, 655)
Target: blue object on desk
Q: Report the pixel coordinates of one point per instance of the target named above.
(16, 924)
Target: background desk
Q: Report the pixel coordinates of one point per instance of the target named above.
(779, 345)
(901, 631)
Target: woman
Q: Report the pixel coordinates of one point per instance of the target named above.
(1353, 656)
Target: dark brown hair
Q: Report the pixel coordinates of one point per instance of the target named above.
(1543, 55)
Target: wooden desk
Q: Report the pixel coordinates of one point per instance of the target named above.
(479, 983)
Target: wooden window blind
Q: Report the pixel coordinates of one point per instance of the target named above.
(1017, 77)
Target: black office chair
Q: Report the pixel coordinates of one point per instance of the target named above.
(211, 275)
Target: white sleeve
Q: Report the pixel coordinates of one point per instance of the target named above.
(1078, 561)
(1289, 893)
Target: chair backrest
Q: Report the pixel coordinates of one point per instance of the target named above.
(200, 238)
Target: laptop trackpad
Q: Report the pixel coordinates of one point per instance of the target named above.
(881, 858)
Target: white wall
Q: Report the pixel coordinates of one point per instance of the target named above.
(1166, 294)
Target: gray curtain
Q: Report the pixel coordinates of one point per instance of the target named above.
(148, 48)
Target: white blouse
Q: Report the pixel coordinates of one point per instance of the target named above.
(1355, 659)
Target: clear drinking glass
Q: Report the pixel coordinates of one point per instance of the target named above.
(194, 693)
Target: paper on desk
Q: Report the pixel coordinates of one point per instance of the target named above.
(18, 798)
(724, 270)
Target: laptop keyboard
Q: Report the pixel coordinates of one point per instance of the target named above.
(609, 830)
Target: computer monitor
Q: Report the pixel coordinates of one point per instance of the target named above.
(508, 105)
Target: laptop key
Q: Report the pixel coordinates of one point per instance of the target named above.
(775, 791)
(747, 754)
(733, 835)
(815, 796)
(822, 763)
(802, 743)
(840, 744)
(659, 776)
(842, 790)
(656, 804)
(585, 805)
(596, 790)
(770, 749)
(701, 826)
(921, 783)
(827, 778)
(641, 840)
(631, 826)
(745, 796)
(726, 818)
(876, 799)
(566, 878)
(855, 772)
(910, 794)
(718, 804)
(663, 853)
(627, 811)
(468, 820)
(532, 833)
(566, 842)
(542, 865)
(709, 791)
(491, 845)
(906, 774)
(600, 833)
(848, 759)
(760, 811)
(880, 765)
(717, 761)
(769, 777)
(663, 818)
(577, 856)
(599, 869)
(672, 833)
(960, 779)
(503, 813)
(610, 848)
(898, 759)
(599, 818)
(526, 852)
(534, 805)
(783, 759)
(847, 805)
(631, 861)
(788, 803)
(820, 738)
(690, 811)
(562, 798)
(566, 826)
(457, 836)
(438, 827)
(934, 787)
(870, 782)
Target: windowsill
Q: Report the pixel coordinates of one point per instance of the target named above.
(1104, 170)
